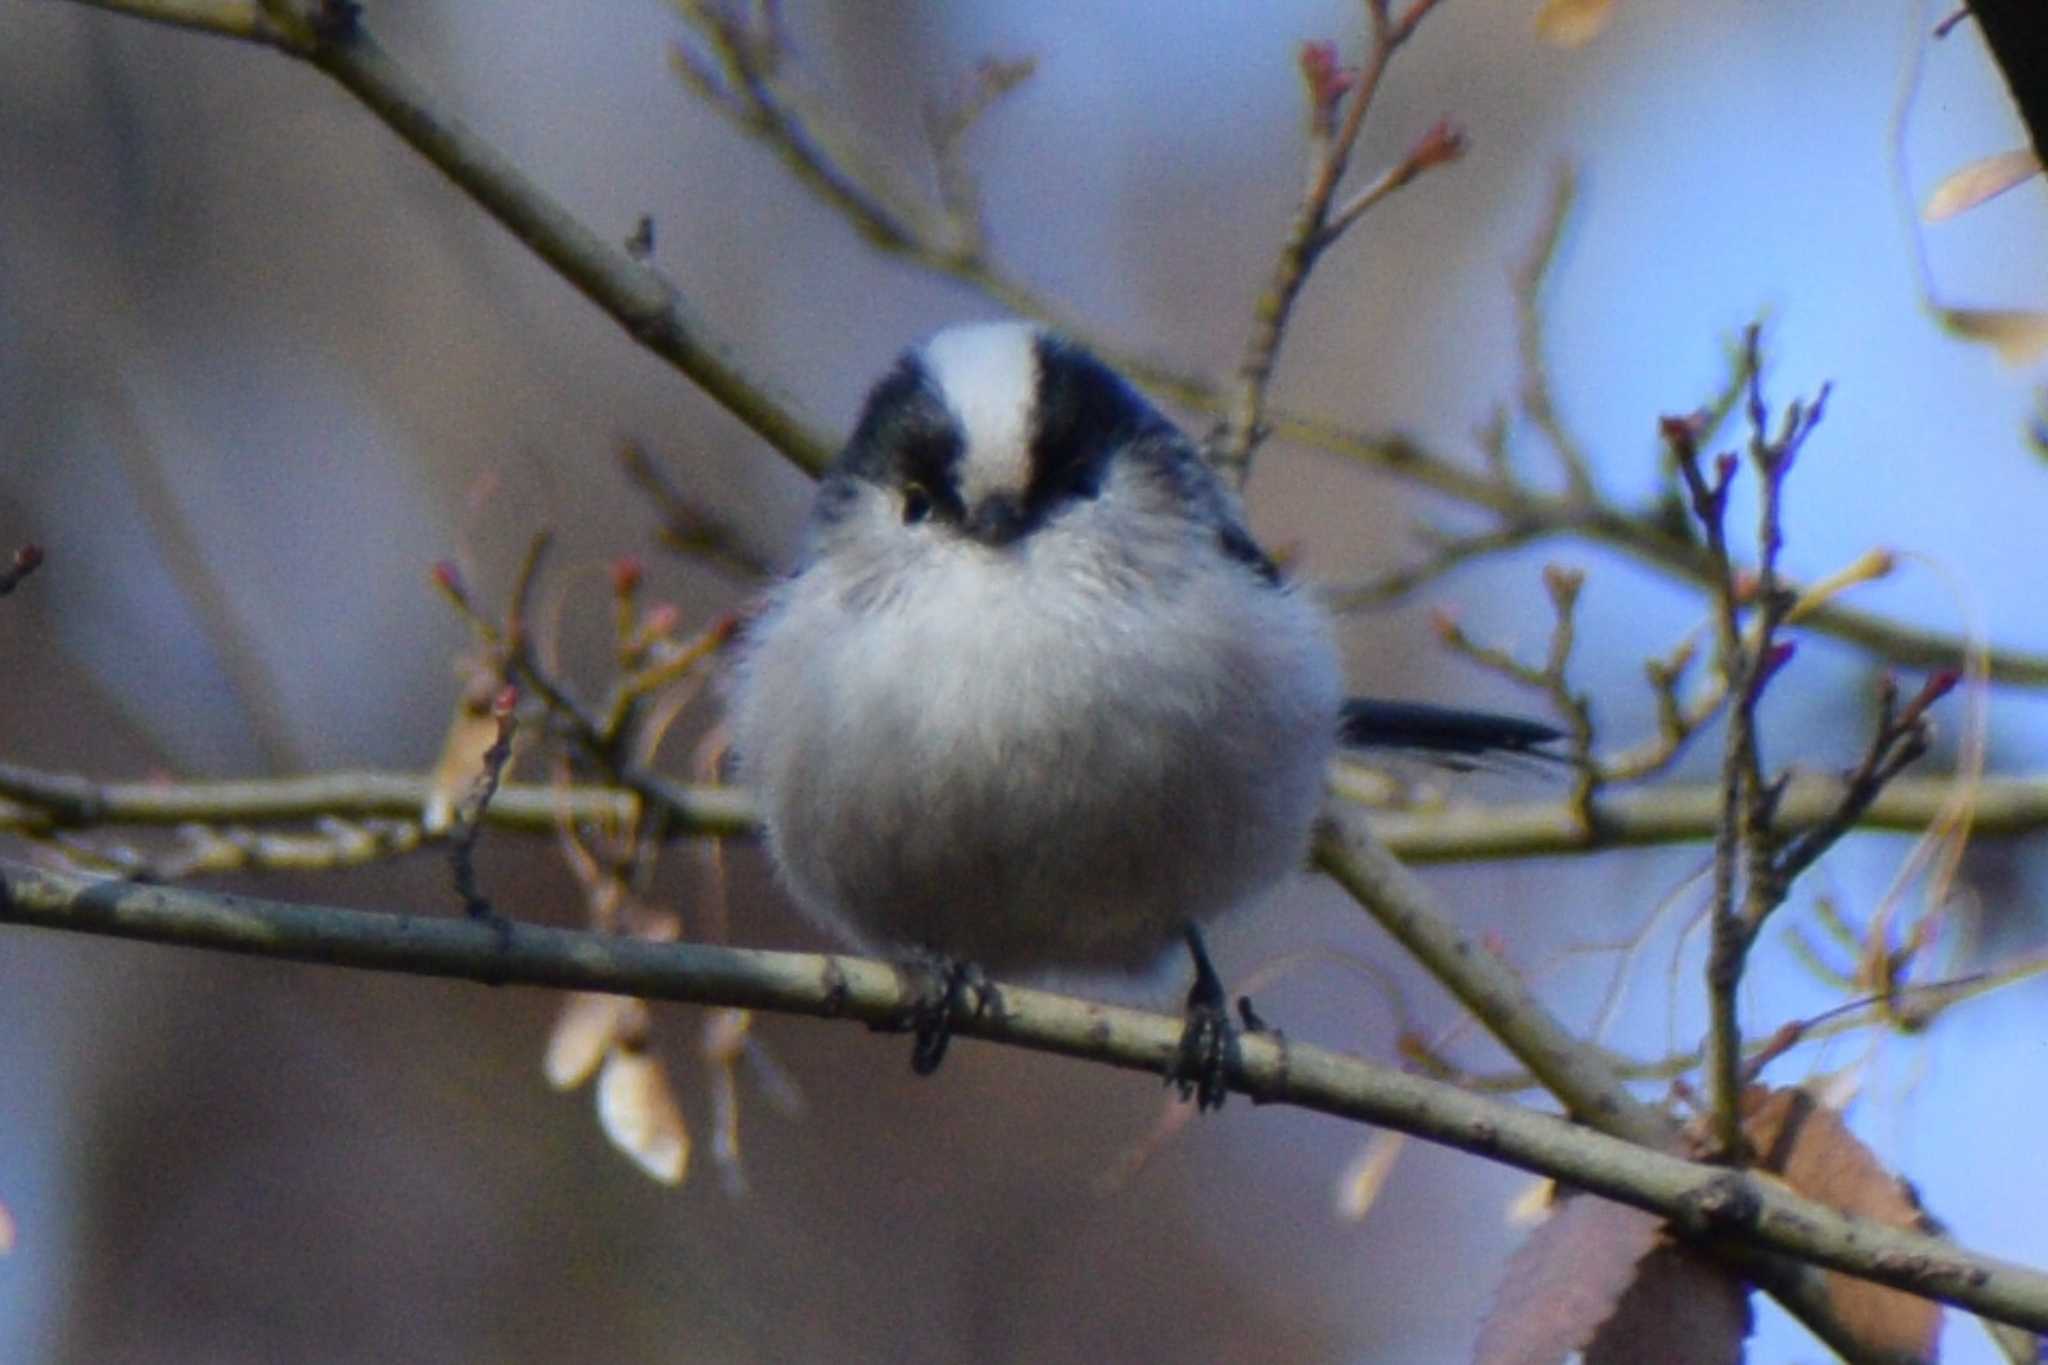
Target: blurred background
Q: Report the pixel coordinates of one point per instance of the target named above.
(260, 367)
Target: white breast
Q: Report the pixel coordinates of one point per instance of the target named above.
(1044, 756)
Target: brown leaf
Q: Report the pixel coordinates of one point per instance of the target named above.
(2019, 335)
(472, 729)
(638, 1111)
(1682, 1309)
(585, 1031)
(1533, 1204)
(1572, 23)
(1810, 1148)
(2016, 1344)
(1358, 1189)
(1564, 1281)
(1983, 179)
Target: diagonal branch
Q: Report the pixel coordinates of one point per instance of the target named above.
(1721, 1206)
(1314, 228)
(636, 295)
(646, 304)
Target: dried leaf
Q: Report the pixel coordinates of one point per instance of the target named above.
(2016, 1344)
(1868, 567)
(1682, 1309)
(725, 1036)
(1572, 23)
(586, 1029)
(471, 731)
(1564, 1281)
(2019, 335)
(725, 1042)
(1533, 1204)
(1810, 1148)
(637, 1109)
(1173, 1116)
(1986, 179)
(1358, 1189)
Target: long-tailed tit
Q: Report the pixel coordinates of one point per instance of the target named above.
(1033, 698)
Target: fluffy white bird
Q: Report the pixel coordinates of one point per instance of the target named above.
(1033, 699)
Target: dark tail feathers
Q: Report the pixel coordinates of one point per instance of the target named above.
(1442, 729)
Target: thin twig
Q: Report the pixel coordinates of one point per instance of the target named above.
(1900, 738)
(1494, 994)
(1539, 404)
(468, 826)
(1445, 553)
(1551, 679)
(639, 297)
(687, 527)
(647, 305)
(1739, 775)
(1313, 229)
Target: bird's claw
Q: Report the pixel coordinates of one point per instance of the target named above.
(946, 999)
(1208, 1051)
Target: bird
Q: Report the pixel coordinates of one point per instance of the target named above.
(1032, 700)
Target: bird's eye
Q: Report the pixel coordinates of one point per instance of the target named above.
(917, 504)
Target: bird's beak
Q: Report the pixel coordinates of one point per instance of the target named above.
(996, 520)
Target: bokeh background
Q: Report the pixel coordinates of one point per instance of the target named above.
(260, 367)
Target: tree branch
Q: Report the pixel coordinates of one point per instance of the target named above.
(1573, 1071)
(1721, 1206)
(647, 305)
(36, 802)
(1313, 228)
(636, 295)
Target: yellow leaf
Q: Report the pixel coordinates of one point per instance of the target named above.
(2019, 335)
(1360, 1185)
(472, 730)
(638, 1111)
(1572, 23)
(586, 1029)
(1534, 1204)
(1980, 180)
(1870, 565)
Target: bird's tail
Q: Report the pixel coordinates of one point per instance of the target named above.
(1442, 730)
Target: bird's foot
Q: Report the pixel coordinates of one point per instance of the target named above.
(1208, 1051)
(953, 990)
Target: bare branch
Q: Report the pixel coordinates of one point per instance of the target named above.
(640, 298)
(1538, 401)
(1496, 996)
(648, 306)
(687, 527)
(1314, 228)
(1702, 1201)
(468, 825)
(40, 803)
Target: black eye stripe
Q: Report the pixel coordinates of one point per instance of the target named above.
(909, 443)
(1084, 413)
(907, 439)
